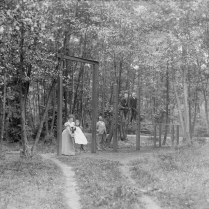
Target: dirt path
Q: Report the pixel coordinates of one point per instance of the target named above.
(125, 159)
(71, 194)
(147, 201)
(72, 197)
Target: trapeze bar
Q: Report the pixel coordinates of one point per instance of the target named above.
(77, 59)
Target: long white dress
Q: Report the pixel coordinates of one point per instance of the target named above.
(68, 144)
(79, 136)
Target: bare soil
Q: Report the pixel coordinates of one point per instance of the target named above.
(70, 188)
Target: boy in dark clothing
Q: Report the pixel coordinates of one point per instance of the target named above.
(125, 105)
(133, 105)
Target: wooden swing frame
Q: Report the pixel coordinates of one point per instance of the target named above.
(94, 100)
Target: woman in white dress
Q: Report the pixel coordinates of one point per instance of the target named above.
(68, 143)
(71, 135)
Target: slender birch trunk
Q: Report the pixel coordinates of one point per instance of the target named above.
(167, 106)
(179, 110)
(53, 116)
(204, 95)
(3, 110)
(23, 98)
(186, 113)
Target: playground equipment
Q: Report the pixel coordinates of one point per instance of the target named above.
(95, 64)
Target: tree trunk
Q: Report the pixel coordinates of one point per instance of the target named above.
(103, 89)
(123, 127)
(195, 113)
(32, 118)
(206, 109)
(204, 95)
(127, 79)
(23, 98)
(82, 99)
(167, 106)
(179, 109)
(53, 116)
(46, 123)
(44, 116)
(66, 91)
(7, 119)
(66, 103)
(111, 94)
(109, 138)
(119, 76)
(189, 105)
(187, 128)
(39, 108)
(73, 87)
(3, 110)
(43, 94)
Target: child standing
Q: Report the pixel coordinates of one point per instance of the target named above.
(101, 131)
(77, 124)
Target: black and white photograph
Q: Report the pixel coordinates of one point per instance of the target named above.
(104, 104)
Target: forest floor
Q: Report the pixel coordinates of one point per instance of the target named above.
(30, 184)
(151, 178)
(70, 190)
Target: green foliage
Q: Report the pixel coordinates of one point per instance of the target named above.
(130, 40)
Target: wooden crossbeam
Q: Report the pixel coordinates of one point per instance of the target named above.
(93, 62)
(94, 101)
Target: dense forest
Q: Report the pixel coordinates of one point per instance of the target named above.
(162, 47)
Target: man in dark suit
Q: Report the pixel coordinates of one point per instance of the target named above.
(125, 105)
(133, 105)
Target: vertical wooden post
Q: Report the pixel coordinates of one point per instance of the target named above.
(94, 105)
(138, 120)
(177, 134)
(115, 119)
(155, 133)
(160, 133)
(59, 112)
(172, 136)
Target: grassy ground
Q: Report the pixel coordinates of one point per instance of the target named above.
(30, 184)
(179, 180)
(101, 184)
(146, 143)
